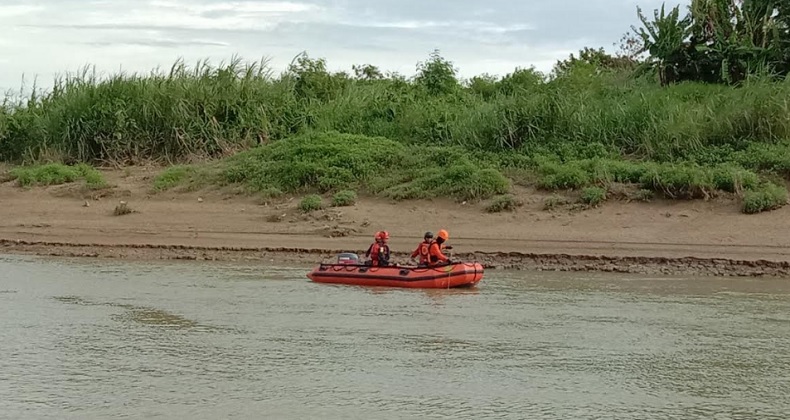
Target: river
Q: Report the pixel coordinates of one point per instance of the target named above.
(89, 339)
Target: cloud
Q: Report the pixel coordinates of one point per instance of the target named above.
(15, 10)
(45, 37)
(165, 43)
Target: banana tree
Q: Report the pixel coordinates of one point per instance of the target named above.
(736, 36)
(664, 39)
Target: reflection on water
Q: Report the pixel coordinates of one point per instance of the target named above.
(95, 340)
(147, 316)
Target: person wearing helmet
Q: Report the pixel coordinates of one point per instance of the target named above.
(435, 255)
(423, 249)
(379, 251)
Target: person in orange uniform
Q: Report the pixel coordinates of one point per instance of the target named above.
(435, 255)
(423, 249)
(379, 251)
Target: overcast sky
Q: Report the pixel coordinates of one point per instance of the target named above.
(45, 37)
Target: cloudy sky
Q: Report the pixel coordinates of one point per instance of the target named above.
(48, 37)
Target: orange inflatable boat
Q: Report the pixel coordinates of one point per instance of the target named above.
(348, 271)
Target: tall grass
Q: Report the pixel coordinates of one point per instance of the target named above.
(409, 138)
(211, 111)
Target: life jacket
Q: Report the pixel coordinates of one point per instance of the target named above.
(434, 257)
(379, 253)
(424, 251)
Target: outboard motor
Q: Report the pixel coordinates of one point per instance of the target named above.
(348, 258)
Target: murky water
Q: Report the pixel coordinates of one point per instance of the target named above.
(97, 340)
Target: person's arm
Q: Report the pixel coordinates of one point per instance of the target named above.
(437, 252)
(416, 251)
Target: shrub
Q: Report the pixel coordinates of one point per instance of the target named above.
(311, 203)
(555, 176)
(768, 196)
(733, 179)
(344, 198)
(503, 203)
(593, 196)
(679, 181)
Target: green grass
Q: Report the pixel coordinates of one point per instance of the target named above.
(56, 174)
(187, 178)
(171, 177)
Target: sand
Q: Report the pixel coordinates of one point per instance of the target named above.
(699, 238)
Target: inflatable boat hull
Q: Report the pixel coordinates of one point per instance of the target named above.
(441, 277)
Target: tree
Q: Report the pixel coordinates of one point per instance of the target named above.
(664, 40)
(367, 72)
(437, 75)
(598, 58)
(718, 41)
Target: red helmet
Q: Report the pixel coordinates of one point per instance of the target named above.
(382, 235)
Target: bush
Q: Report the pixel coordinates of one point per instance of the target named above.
(344, 198)
(503, 203)
(679, 181)
(555, 176)
(593, 196)
(311, 203)
(766, 197)
(327, 162)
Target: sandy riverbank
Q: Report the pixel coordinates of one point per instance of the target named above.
(669, 237)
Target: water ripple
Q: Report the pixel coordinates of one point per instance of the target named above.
(208, 341)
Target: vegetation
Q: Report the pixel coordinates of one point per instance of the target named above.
(171, 177)
(344, 198)
(768, 197)
(310, 203)
(593, 196)
(333, 162)
(122, 209)
(693, 105)
(56, 174)
(503, 203)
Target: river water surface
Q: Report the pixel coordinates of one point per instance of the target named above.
(96, 340)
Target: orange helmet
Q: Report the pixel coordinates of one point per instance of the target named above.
(443, 234)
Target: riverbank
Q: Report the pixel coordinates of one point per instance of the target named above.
(659, 237)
